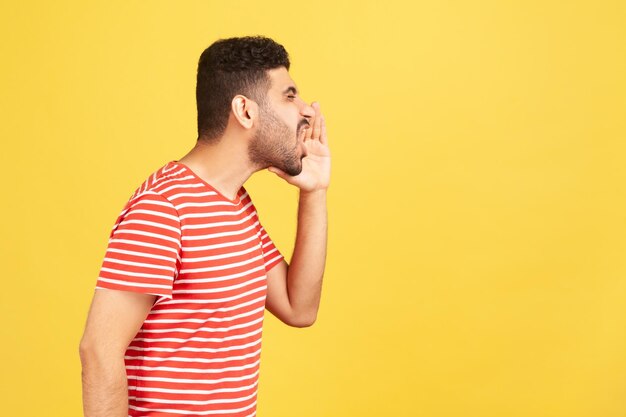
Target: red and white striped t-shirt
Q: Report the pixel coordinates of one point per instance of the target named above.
(205, 257)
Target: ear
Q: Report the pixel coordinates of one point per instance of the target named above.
(245, 111)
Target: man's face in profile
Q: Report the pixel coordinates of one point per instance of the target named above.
(278, 141)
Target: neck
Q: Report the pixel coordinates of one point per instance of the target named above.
(224, 164)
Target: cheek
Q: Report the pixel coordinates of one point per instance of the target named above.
(293, 117)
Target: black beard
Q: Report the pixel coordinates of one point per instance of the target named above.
(270, 146)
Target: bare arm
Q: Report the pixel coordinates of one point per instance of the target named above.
(114, 319)
(294, 291)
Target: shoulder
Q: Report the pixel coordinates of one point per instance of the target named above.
(151, 197)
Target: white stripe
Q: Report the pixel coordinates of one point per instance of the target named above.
(222, 289)
(199, 339)
(144, 244)
(153, 224)
(175, 411)
(215, 214)
(195, 370)
(121, 214)
(279, 256)
(208, 204)
(215, 319)
(148, 234)
(222, 256)
(204, 329)
(133, 284)
(154, 202)
(221, 245)
(173, 177)
(197, 350)
(216, 224)
(205, 194)
(270, 252)
(157, 214)
(221, 278)
(213, 300)
(141, 188)
(194, 391)
(195, 185)
(168, 184)
(164, 169)
(170, 179)
(141, 254)
(207, 310)
(194, 402)
(166, 179)
(136, 274)
(180, 171)
(198, 360)
(152, 266)
(216, 235)
(195, 381)
(220, 267)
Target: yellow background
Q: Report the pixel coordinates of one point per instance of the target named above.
(477, 207)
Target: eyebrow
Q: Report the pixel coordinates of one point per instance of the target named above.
(291, 89)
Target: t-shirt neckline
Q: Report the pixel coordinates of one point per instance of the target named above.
(235, 202)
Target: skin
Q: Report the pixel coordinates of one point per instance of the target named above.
(288, 137)
(276, 144)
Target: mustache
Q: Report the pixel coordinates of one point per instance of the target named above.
(303, 123)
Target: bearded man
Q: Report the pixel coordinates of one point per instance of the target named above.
(174, 327)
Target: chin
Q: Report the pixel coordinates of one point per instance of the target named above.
(294, 169)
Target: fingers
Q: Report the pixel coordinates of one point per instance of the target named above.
(317, 129)
(323, 137)
(317, 121)
(278, 172)
(307, 132)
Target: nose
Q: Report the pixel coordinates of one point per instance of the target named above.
(307, 111)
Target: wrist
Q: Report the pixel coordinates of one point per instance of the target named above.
(320, 192)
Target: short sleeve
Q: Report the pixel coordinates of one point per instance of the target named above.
(143, 253)
(271, 254)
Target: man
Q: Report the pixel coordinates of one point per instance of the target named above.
(175, 324)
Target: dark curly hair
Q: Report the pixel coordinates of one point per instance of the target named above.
(229, 67)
